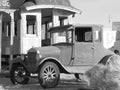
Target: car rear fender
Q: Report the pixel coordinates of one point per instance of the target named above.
(105, 59)
(56, 61)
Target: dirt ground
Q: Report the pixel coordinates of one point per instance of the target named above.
(67, 82)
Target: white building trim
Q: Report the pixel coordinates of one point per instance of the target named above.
(54, 7)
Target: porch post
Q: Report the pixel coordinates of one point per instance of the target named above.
(55, 19)
(56, 22)
(39, 28)
(70, 19)
(0, 39)
(23, 31)
(11, 37)
(46, 29)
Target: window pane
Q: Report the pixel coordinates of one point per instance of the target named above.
(31, 24)
(83, 34)
(62, 37)
(88, 36)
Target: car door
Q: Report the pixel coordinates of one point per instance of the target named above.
(83, 47)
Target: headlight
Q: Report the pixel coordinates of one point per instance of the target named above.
(22, 57)
(38, 55)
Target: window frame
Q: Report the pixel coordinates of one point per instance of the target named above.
(84, 34)
(34, 26)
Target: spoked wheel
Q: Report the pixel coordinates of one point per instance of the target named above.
(19, 75)
(49, 75)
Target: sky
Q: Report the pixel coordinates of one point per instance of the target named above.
(97, 11)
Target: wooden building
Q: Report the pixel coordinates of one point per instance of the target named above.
(21, 23)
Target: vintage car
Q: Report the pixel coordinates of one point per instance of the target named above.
(116, 46)
(73, 49)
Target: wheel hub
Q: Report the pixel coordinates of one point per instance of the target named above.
(49, 73)
(20, 74)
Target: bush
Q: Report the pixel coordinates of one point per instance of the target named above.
(105, 77)
(1, 87)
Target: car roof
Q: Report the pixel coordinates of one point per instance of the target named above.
(61, 27)
(68, 27)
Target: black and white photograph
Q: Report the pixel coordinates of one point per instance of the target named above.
(59, 45)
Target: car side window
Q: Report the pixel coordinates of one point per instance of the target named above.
(83, 34)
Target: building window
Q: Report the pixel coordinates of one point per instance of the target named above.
(31, 24)
(16, 31)
(6, 29)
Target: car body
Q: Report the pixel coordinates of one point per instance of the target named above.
(116, 47)
(74, 49)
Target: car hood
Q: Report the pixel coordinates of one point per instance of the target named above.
(46, 51)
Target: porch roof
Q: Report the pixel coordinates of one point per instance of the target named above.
(49, 4)
(7, 10)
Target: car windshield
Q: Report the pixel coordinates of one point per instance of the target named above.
(62, 36)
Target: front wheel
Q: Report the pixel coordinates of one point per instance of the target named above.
(48, 75)
(19, 75)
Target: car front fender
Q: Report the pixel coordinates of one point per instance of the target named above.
(56, 61)
(17, 60)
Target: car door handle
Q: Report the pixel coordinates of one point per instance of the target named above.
(93, 47)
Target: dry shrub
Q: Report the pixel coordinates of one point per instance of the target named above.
(105, 77)
(2, 88)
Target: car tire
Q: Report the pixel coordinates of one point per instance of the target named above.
(116, 52)
(78, 76)
(19, 75)
(48, 75)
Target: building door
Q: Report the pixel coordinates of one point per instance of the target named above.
(30, 32)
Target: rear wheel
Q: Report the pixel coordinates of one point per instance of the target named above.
(116, 52)
(48, 75)
(19, 75)
(78, 76)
